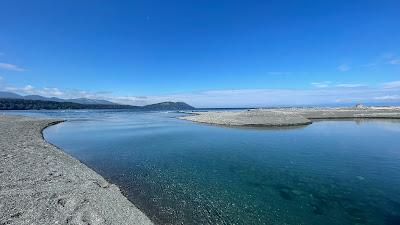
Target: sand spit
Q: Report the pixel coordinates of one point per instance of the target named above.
(249, 118)
(40, 184)
(289, 116)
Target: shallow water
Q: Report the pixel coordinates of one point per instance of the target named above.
(330, 172)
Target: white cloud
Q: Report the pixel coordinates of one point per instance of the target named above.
(281, 97)
(1, 78)
(54, 92)
(388, 97)
(323, 84)
(344, 68)
(395, 61)
(31, 90)
(386, 58)
(10, 89)
(350, 85)
(11, 67)
(392, 84)
(329, 95)
(28, 88)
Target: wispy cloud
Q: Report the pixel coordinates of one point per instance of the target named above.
(392, 84)
(344, 68)
(11, 67)
(350, 85)
(390, 58)
(322, 84)
(395, 61)
(1, 78)
(54, 92)
(330, 84)
(31, 90)
(388, 97)
(343, 93)
(386, 58)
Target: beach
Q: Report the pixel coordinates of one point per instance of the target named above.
(280, 117)
(179, 172)
(43, 185)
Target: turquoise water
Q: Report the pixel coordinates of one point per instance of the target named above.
(178, 172)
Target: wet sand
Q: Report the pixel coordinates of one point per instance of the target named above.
(281, 117)
(40, 184)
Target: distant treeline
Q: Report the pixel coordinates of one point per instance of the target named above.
(23, 104)
(26, 104)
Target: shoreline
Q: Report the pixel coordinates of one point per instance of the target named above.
(41, 184)
(288, 117)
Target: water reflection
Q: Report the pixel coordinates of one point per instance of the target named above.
(330, 172)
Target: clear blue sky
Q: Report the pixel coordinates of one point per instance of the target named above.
(164, 48)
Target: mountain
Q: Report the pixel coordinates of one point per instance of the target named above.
(12, 101)
(26, 104)
(41, 98)
(168, 106)
(4, 94)
(89, 101)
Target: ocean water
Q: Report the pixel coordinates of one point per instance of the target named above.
(178, 172)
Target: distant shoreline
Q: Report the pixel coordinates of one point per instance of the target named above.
(281, 117)
(43, 185)
(46, 104)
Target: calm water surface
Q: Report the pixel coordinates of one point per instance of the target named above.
(178, 172)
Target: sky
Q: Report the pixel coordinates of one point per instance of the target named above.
(206, 53)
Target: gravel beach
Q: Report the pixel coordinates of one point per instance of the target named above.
(40, 184)
(281, 117)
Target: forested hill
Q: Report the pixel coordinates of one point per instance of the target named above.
(168, 106)
(24, 104)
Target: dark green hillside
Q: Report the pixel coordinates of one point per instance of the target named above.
(23, 104)
(169, 106)
(26, 104)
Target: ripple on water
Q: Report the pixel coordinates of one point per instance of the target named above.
(336, 172)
